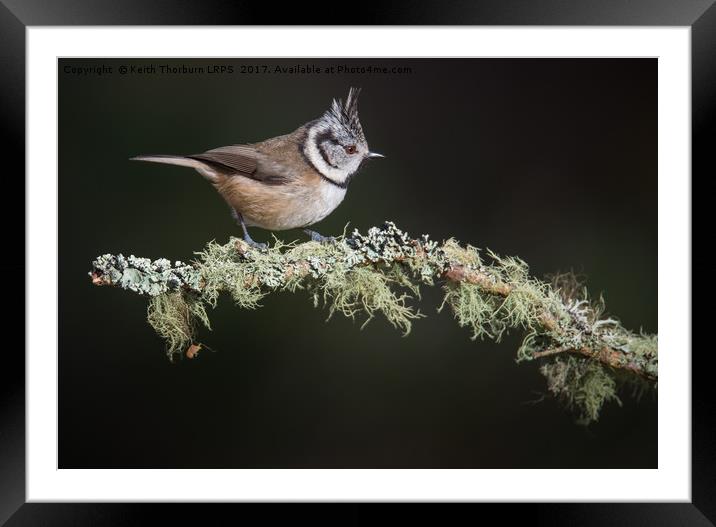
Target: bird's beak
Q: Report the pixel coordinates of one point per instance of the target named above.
(373, 155)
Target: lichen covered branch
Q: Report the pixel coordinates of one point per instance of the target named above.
(379, 272)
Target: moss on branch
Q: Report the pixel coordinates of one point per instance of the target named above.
(379, 273)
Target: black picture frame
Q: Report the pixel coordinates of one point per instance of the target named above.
(16, 15)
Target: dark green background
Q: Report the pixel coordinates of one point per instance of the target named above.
(554, 160)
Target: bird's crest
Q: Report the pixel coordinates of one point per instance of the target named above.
(346, 115)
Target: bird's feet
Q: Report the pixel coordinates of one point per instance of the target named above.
(255, 245)
(316, 237)
(240, 221)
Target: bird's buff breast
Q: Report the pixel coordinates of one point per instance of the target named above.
(282, 207)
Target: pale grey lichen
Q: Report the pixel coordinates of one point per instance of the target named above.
(144, 276)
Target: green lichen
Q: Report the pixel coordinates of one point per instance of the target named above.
(173, 316)
(490, 315)
(473, 309)
(467, 255)
(362, 290)
(643, 345)
(584, 386)
(380, 273)
(329, 271)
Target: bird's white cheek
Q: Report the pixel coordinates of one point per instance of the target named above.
(355, 164)
(314, 156)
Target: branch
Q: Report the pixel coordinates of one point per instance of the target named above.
(365, 274)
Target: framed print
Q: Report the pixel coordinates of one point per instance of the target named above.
(432, 261)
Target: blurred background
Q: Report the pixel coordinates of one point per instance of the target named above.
(552, 160)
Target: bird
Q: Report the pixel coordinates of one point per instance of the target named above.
(290, 181)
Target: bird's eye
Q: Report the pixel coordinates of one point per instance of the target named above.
(350, 149)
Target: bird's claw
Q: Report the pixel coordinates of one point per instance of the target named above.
(317, 237)
(257, 245)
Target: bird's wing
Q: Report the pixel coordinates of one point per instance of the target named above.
(240, 160)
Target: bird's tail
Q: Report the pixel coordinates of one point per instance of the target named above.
(168, 160)
(183, 161)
